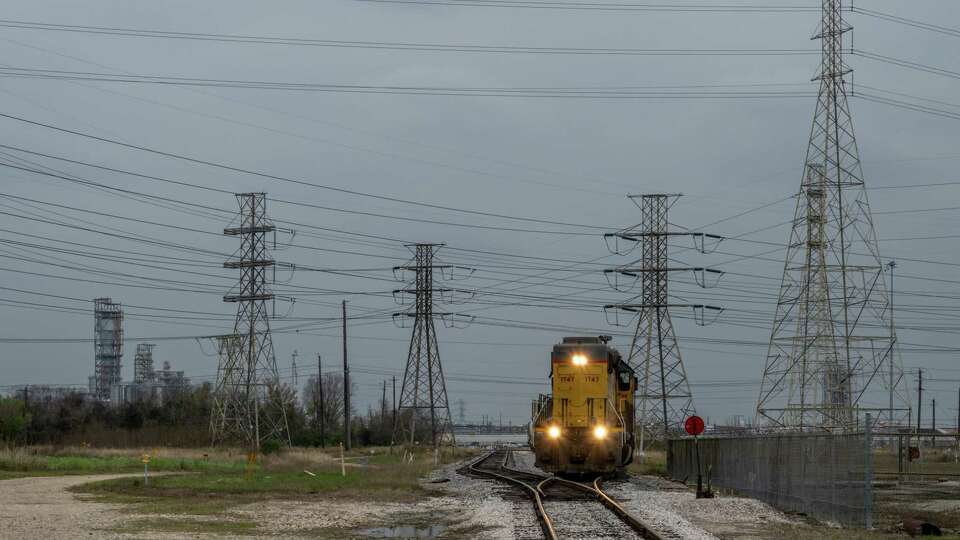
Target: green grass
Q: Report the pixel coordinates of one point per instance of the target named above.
(936, 461)
(119, 464)
(227, 528)
(16, 463)
(655, 463)
(393, 483)
(208, 485)
(210, 492)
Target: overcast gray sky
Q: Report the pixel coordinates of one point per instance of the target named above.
(567, 160)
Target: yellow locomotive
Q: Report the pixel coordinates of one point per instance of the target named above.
(586, 425)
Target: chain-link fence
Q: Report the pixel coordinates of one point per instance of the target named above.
(826, 476)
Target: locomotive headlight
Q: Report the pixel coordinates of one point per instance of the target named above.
(579, 360)
(600, 432)
(554, 432)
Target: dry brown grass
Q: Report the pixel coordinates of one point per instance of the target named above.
(19, 459)
(173, 453)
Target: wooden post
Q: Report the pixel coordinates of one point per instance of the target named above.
(346, 382)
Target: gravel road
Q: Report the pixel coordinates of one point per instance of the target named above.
(42, 508)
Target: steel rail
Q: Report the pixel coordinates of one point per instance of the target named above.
(545, 522)
(641, 528)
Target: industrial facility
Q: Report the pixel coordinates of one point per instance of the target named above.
(107, 384)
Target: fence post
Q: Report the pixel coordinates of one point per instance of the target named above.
(868, 474)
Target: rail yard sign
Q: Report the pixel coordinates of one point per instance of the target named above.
(694, 425)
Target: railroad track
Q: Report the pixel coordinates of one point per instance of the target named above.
(548, 490)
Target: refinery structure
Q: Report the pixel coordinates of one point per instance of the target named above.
(107, 384)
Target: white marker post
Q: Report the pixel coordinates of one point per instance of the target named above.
(146, 474)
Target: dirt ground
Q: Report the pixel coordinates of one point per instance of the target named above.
(42, 508)
(459, 507)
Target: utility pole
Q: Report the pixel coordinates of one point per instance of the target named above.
(346, 383)
(383, 404)
(893, 341)
(293, 368)
(933, 424)
(320, 416)
(394, 379)
(919, 402)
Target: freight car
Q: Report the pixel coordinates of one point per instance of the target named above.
(586, 425)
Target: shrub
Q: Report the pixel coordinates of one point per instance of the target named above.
(270, 446)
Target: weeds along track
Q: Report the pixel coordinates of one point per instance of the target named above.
(565, 508)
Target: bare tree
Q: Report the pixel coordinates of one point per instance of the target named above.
(332, 405)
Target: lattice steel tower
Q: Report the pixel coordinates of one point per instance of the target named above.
(249, 406)
(423, 394)
(832, 338)
(665, 399)
(107, 346)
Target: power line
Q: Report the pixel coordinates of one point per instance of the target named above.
(610, 6)
(390, 45)
(698, 91)
(908, 22)
(231, 168)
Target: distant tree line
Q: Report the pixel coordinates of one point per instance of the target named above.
(181, 418)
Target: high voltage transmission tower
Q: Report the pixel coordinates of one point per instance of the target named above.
(423, 394)
(832, 337)
(665, 400)
(249, 405)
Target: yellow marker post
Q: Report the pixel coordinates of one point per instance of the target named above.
(251, 464)
(146, 474)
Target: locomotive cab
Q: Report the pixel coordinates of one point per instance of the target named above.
(586, 425)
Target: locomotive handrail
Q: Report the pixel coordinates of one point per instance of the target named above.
(541, 409)
(623, 423)
(616, 412)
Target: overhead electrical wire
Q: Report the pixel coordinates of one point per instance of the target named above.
(279, 178)
(694, 91)
(300, 115)
(342, 210)
(613, 6)
(390, 45)
(954, 32)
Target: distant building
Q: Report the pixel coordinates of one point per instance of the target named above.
(148, 384)
(107, 347)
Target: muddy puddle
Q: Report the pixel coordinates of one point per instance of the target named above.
(405, 531)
